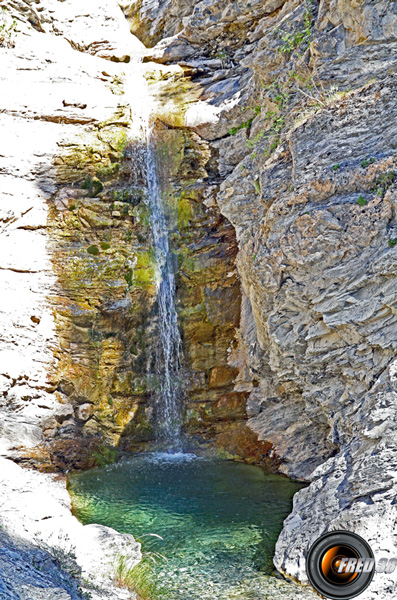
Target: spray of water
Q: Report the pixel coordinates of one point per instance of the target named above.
(167, 393)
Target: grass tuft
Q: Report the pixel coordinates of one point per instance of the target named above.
(139, 578)
(361, 201)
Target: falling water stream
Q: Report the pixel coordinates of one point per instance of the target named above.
(168, 390)
(165, 373)
(212, 522)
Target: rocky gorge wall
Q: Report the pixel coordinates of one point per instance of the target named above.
(79, 312)
(67, 253)
(296, 101)
(61, 119)
(275, 129)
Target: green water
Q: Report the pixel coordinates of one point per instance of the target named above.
(219, 519)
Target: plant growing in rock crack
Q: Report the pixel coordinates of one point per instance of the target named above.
(274, 120)
(93, 185)
(291, 99)
(301, 38)
(285, 106)
(7, 29)
(287, 109)
(307, 82)
(361, 201)
(222, 55)
(368, 160)
(383, 183)
(247, 124)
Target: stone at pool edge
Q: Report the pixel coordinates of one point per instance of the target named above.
(36, 513)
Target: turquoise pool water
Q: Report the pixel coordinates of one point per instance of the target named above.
(218, 520)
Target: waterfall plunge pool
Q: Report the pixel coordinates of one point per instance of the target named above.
(219, 520)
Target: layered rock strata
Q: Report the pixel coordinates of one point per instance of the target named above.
(297, 103)
(63, 122)
(78, 341)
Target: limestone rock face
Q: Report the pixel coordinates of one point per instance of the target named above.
(45, 545)
(77, 250)
(278, 133)
(62, 140)
(76, 267)
(297, 103)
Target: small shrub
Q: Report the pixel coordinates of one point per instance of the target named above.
(245, 125)
(383, 182)
(7, 29)
(291, 41)
(368, 160)
(336, 167)
(392, 242)
(105, 245)
(361, 201)
(221, 55)
(94, 250)
(296, 39)
(93, 185)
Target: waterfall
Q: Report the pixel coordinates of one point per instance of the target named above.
(167, 393)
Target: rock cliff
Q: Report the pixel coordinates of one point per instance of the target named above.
(79, 315)
(276, 125)
(45, 553)
(62, 119)
(296, 101)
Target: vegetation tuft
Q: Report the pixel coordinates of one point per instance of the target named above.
(7, 29)
(361, 201)
(93, 185)
(94, 250)
(383, 182)
(368, 160)
(247, 124)
(140, 578)
(300, 39)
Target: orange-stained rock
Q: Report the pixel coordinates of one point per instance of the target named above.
(242, 443)
(222, 376)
